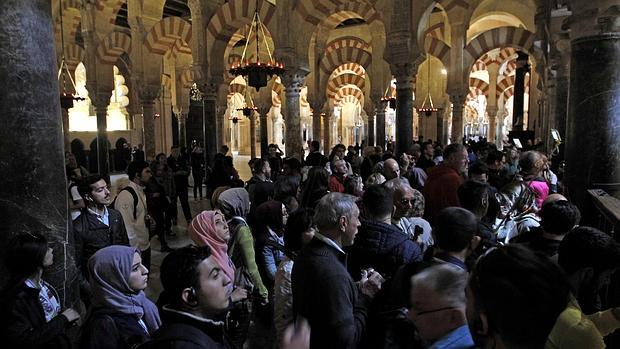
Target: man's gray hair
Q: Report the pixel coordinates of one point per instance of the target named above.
(331, 207)
(395, 184)
(445, 281)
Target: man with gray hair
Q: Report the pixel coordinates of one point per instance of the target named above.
(323, 291)
(438, 307)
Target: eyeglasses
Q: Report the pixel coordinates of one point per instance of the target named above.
(420, 313)
(407, 201)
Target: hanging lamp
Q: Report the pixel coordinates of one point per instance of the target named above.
(257, 72)
(429, 109)
(388, 98)
(66, 99)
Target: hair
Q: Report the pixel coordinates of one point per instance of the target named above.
(378, 202)
(292, 163)
(258, 165)
(179, 270)
(160, 154)
(520, 195)
(315, 186)
(559, 217)
(375, 178)
(335, 162)
(493, 156)
(453, 148)
(531, 162)
(588, 247)
(284, 187)
(331, 207)
(299, 221)
(479, 168)
(445, 282)
(272, 145)
(85, 185)
(24, 256)
(315, 144)
(471, 194)
(351, 183)
(135, 168)
(454, 229)
(521, 293)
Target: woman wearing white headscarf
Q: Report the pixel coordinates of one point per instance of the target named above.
(120, 316)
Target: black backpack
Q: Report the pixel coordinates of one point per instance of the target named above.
(134, 195)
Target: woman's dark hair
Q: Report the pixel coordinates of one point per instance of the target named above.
(179, 270)
(258, 164)
(267, 215)
(521, 292)
(299, 221)
(24, 256)
(315, 187)
(285, 186)
(586, 247)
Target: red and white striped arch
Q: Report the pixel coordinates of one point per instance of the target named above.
(339, 81)
(438, 48)
(335, 58)
(232, 15)
(112, 46)
(74, 54)
(164, 35)
(333, 12)
(349, 91)
(499, 38)
(356, 68)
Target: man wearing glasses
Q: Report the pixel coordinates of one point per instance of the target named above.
(438, 306)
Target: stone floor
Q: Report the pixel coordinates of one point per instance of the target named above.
(181, 239)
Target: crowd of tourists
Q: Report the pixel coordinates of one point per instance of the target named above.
(462, 246)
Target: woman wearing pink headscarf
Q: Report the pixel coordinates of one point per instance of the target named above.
(209, 228)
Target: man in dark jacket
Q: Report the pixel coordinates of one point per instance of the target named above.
(197, 293)
(97, 227)
(380, 244)
(323, 291)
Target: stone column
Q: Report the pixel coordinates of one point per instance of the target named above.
(293, 82)
(101, 101)
(33, 195)
(440, 123)
(458, 101)
(148, 94)
(518, 114)
(493, 69)
(370, 129)
(210, 91)
(404, 74)
(593, 127)
(220, 123)
(327, 132)
(252, 120)
(264, 137)
(380, 125)
(181, 118)
(317, 107)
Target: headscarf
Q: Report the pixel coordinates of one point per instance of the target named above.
(234, 202)
(216, 195)
(109, 269)
(202, 232)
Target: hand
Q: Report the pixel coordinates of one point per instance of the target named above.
(371, 282)
(71, 315)
(239, 294)
(296, 336)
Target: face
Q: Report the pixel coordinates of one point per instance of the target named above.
(160, 170)
(161, 159)
(71, 160)
(267, 169)
(350, 227)
(139, 276)
(175, 152)
(340, 152)
(341, 167)
(392, 170)
(430, 315)
(273, 151)
(479, 177)
(215, 288)
(403, 200)
(145, 175)
(428, 150)
(100, 193)
(49, 257)
(460, 161)
(221, 228)
(284, 215)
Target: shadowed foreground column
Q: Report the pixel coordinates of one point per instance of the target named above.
(33, 196)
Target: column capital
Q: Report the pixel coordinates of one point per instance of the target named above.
(263, 110)
(293, 80)
(592, 17)
(316, 105)
(148, 93)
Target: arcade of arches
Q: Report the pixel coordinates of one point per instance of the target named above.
(155, 72)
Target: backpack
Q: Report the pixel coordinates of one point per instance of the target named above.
(134, 195)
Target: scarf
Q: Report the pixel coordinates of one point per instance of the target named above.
(202, 232)
(109, 269)
(234, 202)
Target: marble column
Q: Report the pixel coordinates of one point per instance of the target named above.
(181, 117)
(293, 82)
(210, 91)
(380, 125)
(518, 114)
(317, 107)
(33, 195)
(493, 69)
(457, 117)
(327, 132)
(440, 123)
(264, 137)
(100, 101)
(593, 127)
(370, 129)
(404, 74)
(252, 120)
(148, 95)
(220, 122)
